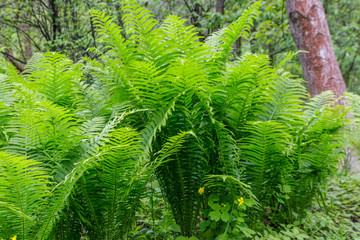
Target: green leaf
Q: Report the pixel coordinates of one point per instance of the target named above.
(215, 215)
(247, 231)
(225, 216)
(181, 238)
(175, 228)
(249, 202)
(214, 206)
(286, 188)
(193, 238)
(226, 208)
(204, 225)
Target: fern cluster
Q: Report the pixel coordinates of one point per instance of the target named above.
(80, 142)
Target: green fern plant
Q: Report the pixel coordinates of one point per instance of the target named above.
(23, 186)
(245, 114)
(53, 76)
(160, 104)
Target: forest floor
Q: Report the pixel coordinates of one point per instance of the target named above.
(334, 216)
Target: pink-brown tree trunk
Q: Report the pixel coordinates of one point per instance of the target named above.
(311, 33)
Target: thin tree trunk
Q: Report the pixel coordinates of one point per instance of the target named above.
(16, 62)
(28, 51)
(220, 8)
(310, 30)
(55, 21)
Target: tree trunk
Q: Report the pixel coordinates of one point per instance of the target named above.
(310, 30)
(55, 21)
(220, 6)
(26, 29)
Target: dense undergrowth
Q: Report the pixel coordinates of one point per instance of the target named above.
(162, 124)
(335, 216)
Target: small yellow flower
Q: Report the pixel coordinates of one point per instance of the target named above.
(241, 201)
(309, 95)
(223, 204)
(201, 190)
(13, 238)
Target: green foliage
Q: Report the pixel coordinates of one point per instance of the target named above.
(232, 142)
(341, 221)
(23, 186)
(53, 77)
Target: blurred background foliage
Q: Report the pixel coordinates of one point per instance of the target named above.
(30, 26)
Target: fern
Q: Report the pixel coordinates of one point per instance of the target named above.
(284, 103)
(237, 29)
(118, 166)
(158, 103)
(48, 134)
(110, 34)
(54, 78)
(23, 186)
(180, 178)
(141, 29)
(265, 151)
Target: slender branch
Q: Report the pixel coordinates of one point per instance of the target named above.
(25, 33)
(279, 51)
(188, 6)
(8, 55)
(14, 61)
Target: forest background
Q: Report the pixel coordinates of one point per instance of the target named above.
(65, 26)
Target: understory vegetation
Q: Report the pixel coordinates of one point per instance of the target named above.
(167, 136)
(336, 216)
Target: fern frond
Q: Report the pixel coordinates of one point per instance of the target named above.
(214, 40)
(6, 89)
(46, 133)
(187, 75)
(11, 71)
(146, 85)
(353, 101)
(290, 55)
(141, 29)
(118, 166)
(158, 120)
(284, 103)
(172, 146)
(6, 117)
(247, 85)
(60, 196)
(227, 149)
(110, 35)
(92, 100)
(97, 132)
(55, 79)
(23, 187)
(320, 101)
(116, 185)
(32, 64)
(181, 37)
(231, 185)
(180, 178)
(266, 149)
(239, 28)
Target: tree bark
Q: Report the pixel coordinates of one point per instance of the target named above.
(28, 51)
(310, 30)
(220, 6)
(55, 21)
(14, 61)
